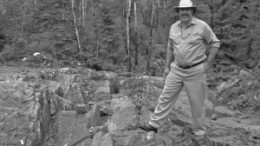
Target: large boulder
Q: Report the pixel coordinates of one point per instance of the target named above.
(102, 139)
(72, 126)
(24, 113)
(75, 94)
(69, 128)
(124, 114)
(112, 78)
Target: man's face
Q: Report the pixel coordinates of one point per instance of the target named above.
(185, 14)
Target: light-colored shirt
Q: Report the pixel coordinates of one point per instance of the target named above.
(189, 44)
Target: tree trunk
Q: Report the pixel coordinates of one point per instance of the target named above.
(211, 14)
(149, 51)
(83, 12)
(97, 49)
(128, 36)
(23, 17)
(75, 26)
(123, 12)
(136, 44)
(96, 32)
(164, 11)
(249, 46)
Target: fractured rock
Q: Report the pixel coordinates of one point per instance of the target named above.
(20, 109)
(101, 139)
(70, 127)
(139, 138)
(112, 127)
(124, 113)
(75, 94)
(106, 140)
(93, 117)
(58, 103)
(102, 91)
(82, 108)
(97, 139)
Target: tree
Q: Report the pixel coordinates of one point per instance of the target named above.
(75, 26)
(148, 53)
(135, 36)
(93, 30)
(128, 35)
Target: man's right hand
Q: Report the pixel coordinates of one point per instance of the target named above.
(166, 72)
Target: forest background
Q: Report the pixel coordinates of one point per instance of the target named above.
(119, 35)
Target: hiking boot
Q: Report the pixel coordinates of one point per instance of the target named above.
(148, 128)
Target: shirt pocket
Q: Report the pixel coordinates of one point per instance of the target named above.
(195, 38)
(176, 38)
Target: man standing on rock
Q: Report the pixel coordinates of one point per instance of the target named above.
(186, 66)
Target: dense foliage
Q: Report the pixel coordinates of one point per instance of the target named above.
(93, 32)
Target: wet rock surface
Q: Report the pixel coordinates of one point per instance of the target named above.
(88, 108)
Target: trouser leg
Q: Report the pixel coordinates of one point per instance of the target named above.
(169, 95)
(197, 91)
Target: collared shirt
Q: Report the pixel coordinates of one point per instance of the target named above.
(189, 44)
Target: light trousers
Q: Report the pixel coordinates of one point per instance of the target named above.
(194, 80)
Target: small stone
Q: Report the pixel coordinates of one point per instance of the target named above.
(214, 117)
(3, 134)
(250, 83)
(256, 133)
(244, 73)
(68, 113)
(150, 136)
(63, 70)
(82, 108)
(112, 128)
(237, 120)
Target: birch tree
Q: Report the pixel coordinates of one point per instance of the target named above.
(83, 6)
(148, 53)
(136, 43)
(75, 26)
(128, 36)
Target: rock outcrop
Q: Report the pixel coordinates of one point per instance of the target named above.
(89, 108)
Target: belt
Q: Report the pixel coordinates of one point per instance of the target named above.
(190, 66)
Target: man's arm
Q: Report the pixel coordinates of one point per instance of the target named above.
(169, 57)
(212, 54)
(213, 43)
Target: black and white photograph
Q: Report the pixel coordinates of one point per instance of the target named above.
(129, 72)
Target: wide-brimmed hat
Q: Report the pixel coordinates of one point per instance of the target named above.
(185, 4)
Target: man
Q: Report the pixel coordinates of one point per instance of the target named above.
(186, 66)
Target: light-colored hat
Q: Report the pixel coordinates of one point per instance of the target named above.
(185, 4)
